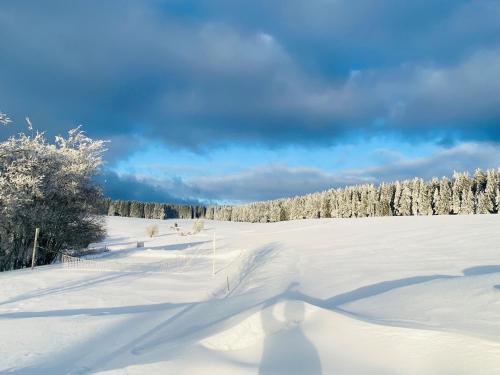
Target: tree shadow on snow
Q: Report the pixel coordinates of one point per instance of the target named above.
(69, 287)
(481, 270)
(177, 247)
(118, 310)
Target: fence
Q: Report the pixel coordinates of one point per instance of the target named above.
(108, 265)
(99, 259)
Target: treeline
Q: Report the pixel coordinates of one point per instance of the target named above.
(462, 195)
(151, 210)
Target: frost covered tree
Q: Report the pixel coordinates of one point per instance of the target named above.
(297, 209)
(416, 191)
(425, 199)
(324, 207)
(444, 204)
(405, 206)
(458, 187)
(275, 212)
(149, 210)
(48, 186)
(159, 211)
(312, 206)
(468, 203)
(398, 190)
(372, 201)
(124, 208)
(386, 199)
(136, 209)
(486, 195)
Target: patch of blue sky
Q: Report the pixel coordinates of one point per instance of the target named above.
(159, 161)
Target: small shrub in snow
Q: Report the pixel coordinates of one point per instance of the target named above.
(198, 226)
(152, 230)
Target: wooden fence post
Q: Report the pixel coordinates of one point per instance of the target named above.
(35, 245)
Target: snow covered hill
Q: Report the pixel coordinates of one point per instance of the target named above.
(391, 295)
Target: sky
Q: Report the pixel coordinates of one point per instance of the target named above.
(236, 101)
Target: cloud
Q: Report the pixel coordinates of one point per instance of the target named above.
(268, 182)
(129, 187)
(213, 73)
(463, 157)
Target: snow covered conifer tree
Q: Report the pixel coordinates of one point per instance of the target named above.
(416, 186)
(136, 209)
(158, 211)
(334, 203)
(458, 186)
(364, 204)
(371, 200)
(397, 198)
(468, 203)
(112, 209)
(312, 206)
(406, 200)
(325, 208)
(386, 196)
(149, 210)
(297, 208)
(425, 199)
(124, 208)
(274, 211)
(479, 183)
(435, 200)
(446, 199)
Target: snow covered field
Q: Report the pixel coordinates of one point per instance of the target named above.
(392, 295)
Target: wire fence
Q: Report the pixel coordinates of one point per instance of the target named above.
(102, 262)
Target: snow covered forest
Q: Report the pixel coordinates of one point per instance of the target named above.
(151, 210)
(463, 194)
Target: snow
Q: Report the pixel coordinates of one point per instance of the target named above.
(378, 296)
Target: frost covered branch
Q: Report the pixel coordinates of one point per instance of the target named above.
(4, 119)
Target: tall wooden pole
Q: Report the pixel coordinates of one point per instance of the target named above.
(35, 245)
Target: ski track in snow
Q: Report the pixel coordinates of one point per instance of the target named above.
(409, 295)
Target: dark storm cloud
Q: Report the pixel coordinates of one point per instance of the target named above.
(199, 74)
(132, 188)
